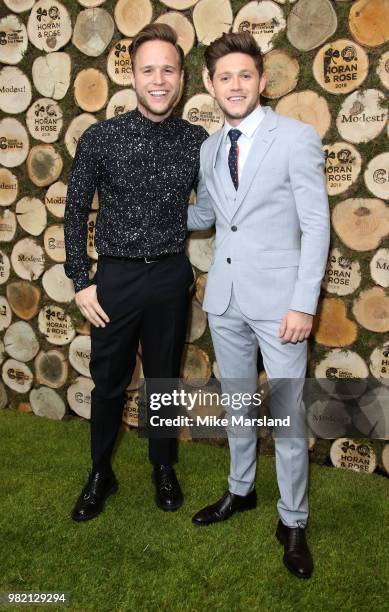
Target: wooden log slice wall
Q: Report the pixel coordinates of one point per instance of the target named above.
(16, 90)
(24, 298)
(51, 74)
(66, 65)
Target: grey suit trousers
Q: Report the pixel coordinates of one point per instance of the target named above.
(236, 339)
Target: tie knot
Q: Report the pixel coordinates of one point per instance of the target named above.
(234, 135)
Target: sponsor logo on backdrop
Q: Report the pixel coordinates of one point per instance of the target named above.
(333, 373)
(81, 398)
(10, 143)
(342, 166)
(59, 200)
(56, 322)
(355, 456)
(357, 114)
(18, 376)
(381, 176)
(122, 63)
(31, 258)
(45, 120)
(336, 71)
(341, 66)
(12, 37)
(264, 27)
(197, 115)
(49, 24)
(336, 276)
(54, 243)
(6, 227)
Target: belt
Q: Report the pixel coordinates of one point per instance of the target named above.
(146, 260)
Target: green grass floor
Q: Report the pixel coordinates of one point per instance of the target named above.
(136, 557)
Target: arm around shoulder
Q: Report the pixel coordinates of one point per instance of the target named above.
(201, 215)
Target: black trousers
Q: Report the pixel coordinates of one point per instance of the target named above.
(146, 303)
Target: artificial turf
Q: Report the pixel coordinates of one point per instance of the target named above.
(136, 557)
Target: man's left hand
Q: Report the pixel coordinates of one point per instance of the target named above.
(295, 327)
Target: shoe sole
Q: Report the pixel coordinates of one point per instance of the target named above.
(250, 507)
(290, 569)
(111, 491)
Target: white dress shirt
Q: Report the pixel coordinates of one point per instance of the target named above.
(248, 127)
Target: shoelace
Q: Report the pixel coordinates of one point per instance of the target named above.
(165, 481)
(91, 487)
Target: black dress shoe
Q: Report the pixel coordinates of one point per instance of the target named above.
(225, 507)
(91, 501)
(297, 557)
(168, 494)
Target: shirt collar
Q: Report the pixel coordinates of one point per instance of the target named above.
(167, 126)
(249, 124)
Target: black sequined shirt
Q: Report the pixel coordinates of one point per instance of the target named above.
(144, 172)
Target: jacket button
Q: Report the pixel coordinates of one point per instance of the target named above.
(234, 228)
(228, 259)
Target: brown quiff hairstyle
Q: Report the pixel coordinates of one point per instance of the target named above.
(156, 31)
(239, 42)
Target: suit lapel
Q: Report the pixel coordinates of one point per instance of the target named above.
(262, 142)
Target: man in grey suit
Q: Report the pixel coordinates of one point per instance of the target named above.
(262, 185)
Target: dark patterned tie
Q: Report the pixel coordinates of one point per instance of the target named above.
(233, 156)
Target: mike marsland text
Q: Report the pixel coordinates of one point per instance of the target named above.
(214, 421)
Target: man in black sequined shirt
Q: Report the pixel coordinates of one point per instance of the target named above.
(144, 171)
(144, 165)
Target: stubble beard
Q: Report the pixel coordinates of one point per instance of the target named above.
(159, 112)
(240, 115)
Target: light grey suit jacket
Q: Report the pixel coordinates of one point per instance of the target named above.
(272, 234)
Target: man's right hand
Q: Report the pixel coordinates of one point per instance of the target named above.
(86, 300)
